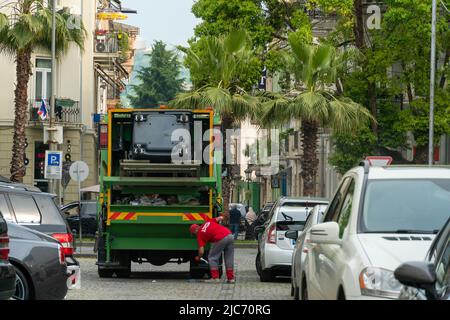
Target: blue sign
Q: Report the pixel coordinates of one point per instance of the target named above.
(54, 159)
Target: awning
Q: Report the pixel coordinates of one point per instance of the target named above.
(91, 189)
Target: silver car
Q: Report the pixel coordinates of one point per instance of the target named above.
(302, 247)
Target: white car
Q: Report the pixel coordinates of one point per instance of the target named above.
(379, 218)
(300, 253)
(274, 256)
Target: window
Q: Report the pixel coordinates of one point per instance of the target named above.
(335, 205)
(43, 84)
(25, 209)
(344, 214)
(413, 205)
(443, 269)
(4, 209)
(50, 210)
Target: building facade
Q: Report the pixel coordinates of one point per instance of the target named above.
(76, 108)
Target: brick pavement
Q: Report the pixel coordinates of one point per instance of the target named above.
(172, 281)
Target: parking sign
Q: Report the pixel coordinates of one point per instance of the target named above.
(53, 165)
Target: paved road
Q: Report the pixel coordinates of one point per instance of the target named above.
(172, 281)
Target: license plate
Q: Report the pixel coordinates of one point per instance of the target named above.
(74, 279)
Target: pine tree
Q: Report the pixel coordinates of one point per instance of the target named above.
(159, 81)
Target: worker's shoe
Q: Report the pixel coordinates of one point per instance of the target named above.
(212, 280)
(231, 281)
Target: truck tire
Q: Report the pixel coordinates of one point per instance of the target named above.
(123, 273)
(105, 273)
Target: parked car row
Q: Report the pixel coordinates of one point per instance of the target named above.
(360, 245)
(36, 242)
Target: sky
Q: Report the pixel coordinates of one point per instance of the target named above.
(168, 20)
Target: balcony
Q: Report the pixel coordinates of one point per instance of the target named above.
(67, 112)
(106, 44)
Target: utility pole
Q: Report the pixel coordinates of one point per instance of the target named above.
(52, 143)
(432, 83)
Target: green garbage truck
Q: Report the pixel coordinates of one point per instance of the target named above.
(158, 175)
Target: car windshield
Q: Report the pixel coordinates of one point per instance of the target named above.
(406, 206)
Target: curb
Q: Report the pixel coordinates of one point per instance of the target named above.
(94, 255)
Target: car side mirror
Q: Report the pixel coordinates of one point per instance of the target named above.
(292, 234)
(325, 233)
(420, 275)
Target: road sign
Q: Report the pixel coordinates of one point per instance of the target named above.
(379, 161)
(79, 171)
(53, 165)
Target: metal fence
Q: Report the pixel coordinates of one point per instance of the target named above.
(66, 111)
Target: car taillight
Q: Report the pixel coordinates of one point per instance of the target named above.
(272, 236)
(62, 256)
(66, 240)
(4, 247)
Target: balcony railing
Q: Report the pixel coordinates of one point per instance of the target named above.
(66, 111)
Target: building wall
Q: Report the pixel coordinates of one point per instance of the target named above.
(76, 64)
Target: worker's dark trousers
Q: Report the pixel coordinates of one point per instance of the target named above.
(226, 245)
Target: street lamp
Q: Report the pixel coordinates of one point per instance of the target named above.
(248, 176)
(432, 83)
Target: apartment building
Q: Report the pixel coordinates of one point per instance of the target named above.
(77, 103)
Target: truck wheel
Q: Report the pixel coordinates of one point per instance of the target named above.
(197, 274)
(105, 273)
(123, 273)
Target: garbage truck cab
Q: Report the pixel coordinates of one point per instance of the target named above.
(158, 176)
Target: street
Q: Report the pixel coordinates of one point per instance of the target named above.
(172, 282)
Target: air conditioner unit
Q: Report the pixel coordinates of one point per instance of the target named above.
(100, 44)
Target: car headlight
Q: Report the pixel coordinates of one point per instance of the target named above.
(379, 282)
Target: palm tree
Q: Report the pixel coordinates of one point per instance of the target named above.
(25, 27)
(316, 69)
(216, 67)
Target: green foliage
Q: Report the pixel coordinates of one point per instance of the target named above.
(124, 46)
(350, 149)
(416, 119)
(31, 28)
(216, 73)
(227, 59)
(267, 23)
(160, 80)
(316, 68)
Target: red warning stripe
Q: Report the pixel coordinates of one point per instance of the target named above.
(190, 216)
(204, 216)
(115, 215)
(129, 215)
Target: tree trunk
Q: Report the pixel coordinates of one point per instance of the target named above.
(309, 161)
(421, 156)
(227, 122)
(23, 73)
(358, 27)
(372, 92)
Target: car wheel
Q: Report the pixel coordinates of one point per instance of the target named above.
(304, 290)
(296, 293)
(258, 264)
(22, 286)
(266, 276)
(105, 273)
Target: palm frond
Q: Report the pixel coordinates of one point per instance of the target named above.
(274, 111)
(311, 106)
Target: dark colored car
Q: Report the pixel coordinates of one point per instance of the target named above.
(7, 274)
(29, 207)
(39, 263)
(88, 216)
(429, 279)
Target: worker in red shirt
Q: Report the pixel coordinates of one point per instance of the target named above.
(222, 241)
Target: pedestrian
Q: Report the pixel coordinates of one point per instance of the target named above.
(235, 221)
(222, 241)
